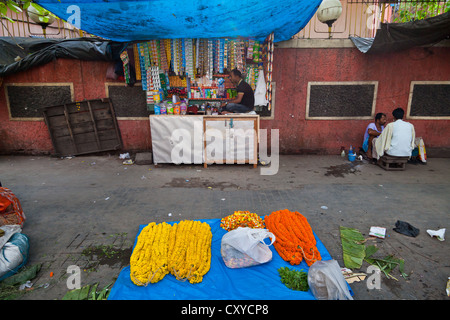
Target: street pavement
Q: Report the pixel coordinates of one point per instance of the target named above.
(86, 211)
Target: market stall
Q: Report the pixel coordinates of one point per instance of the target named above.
(182, 53)
(185, 81)
(190, 76)
(215, 259)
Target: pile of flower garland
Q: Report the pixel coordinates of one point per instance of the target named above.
(148, 262)
(190, 250)
(183, 250)
(241, 219)
(295, 239)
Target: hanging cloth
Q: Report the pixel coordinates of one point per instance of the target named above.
(260, 91)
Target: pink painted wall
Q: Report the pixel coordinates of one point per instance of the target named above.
(88, 79)
(293, 69)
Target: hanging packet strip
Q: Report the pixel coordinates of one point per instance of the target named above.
(168, 53)
(143, 70)
(221, 55)
(179, 57)
(188, 52)
(125, 61)
(225, 54)
(210, 58)
(183, 53)
(137, 63)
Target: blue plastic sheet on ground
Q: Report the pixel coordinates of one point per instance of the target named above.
(133, 20)
(260, 282)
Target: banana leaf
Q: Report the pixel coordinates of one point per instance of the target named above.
(83, 293)
(78, 294)
(25, 274)
(353, 247)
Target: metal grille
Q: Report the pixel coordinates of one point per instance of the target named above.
(363, 17)
(23, 26)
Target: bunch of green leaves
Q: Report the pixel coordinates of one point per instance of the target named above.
(386, 264)
(13, 5)
(88, 292)
(352, 247)
(355, 252)
(294, 279)
(420, 9)
(19, 6)
(9, 287)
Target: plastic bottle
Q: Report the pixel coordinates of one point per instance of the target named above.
(177, 108)
(169, 108)
(163, 108)
(157, 108)
(183, 108)
(350, 151)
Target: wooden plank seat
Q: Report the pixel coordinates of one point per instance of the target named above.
(392, 163)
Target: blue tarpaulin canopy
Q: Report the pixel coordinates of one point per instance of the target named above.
(134, 20)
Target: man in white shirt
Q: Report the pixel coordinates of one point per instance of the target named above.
(397, 138)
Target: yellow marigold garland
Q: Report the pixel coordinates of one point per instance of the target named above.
(183, 249)
(191, 257)
(148, 262)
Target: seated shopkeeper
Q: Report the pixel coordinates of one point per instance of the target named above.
(245, 100)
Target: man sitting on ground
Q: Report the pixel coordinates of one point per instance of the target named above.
(373, 130)
(245, 100)
(397, 139)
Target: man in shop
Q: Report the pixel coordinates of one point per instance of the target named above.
(245, 100)
(397, 138)
(372, 132)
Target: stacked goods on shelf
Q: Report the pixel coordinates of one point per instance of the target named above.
(295, 238)
(196, 57)
(194, 64)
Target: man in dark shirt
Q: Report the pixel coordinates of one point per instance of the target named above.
(245, 100)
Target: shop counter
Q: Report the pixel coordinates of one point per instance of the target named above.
(205, 139)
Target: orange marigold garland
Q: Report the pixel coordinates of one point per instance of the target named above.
(295, 239)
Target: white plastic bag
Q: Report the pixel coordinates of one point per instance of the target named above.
(326, 281)
(8, 230)
(245, 247)
(422, 150)
(439, 234)
(13, 255)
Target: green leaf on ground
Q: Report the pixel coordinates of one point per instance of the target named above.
(353, 248)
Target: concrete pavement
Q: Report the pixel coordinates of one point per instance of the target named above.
(86, 211)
